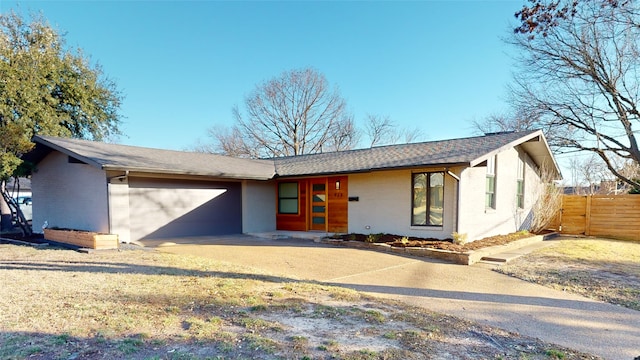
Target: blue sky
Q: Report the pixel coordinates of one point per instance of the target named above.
(182, 66)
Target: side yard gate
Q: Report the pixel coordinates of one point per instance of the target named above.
(615, 216)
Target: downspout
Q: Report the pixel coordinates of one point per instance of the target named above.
(457, 179)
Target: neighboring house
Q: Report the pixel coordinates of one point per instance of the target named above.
(605, 187)
(21, 188)
(479, 186)
(21, 192)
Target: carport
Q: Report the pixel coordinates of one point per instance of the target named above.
(141, 193)
(163, 208)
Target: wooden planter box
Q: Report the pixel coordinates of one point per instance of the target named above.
(85, 239)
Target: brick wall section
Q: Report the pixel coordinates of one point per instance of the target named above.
(69, 195)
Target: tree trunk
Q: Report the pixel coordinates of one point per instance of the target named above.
(5, 211)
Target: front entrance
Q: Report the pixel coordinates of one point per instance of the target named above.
(318, 205)
(313, 204)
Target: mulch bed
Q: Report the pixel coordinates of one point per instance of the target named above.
(447, 244)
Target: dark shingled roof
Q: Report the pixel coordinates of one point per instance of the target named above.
(434, 153)
(121, 157)
(467, 151)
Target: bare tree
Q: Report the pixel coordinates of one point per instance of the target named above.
(228, 141)
(517, 120)
(580, 76)
(589, 174)
(344, 136)
(378, 128)
(547, 207)
(381, 130)
(409, 135)
(293, 114)
(631, 170)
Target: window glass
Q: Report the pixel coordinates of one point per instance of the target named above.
(318, 209)
(288, 198)
(288, 206)
(436, 198)
(490, 188)
(520, 184)
(520, 195)
(428, 199)
(419, 199)
(490, 196)
(318, 187)
(318, 220)
(288, 190)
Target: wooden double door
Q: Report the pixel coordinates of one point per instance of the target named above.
(322, 204)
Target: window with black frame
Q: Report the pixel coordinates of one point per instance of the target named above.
(288, 198)
(428, 199)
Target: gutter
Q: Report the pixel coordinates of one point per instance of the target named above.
(219, 175)
(373, 169)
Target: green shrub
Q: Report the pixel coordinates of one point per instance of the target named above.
(458, 238)
(404, 240)
(373, 238)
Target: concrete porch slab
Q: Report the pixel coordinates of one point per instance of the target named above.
(316, 236)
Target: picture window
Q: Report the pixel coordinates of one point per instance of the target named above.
(428, 199)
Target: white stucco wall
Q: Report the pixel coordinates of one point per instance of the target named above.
(479, 222)
(70, 195)
(384, 204)
(258, 206)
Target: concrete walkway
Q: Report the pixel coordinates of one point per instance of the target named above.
(472, 292)
(501, 258)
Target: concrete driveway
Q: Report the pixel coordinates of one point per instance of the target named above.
(470, 292)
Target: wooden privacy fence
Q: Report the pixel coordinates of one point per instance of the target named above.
(615, 216)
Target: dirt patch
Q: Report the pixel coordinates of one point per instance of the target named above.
(447, 244)
(56, 303)
(601, 269)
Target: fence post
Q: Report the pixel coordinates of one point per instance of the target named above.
(587, 216)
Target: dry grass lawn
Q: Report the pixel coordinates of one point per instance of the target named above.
(61, 304)
(601, 269)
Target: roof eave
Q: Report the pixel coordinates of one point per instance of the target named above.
(39, 140)
(220, 175)
(541, 161)
(506, 146)
(368, 170)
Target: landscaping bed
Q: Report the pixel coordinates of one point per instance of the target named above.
(465, 254)
(83, 239)
(447, 244)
